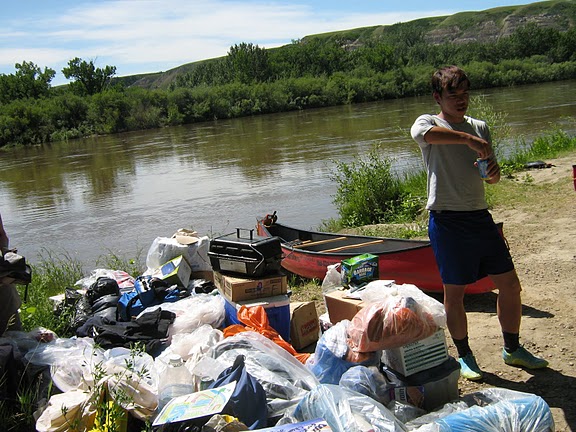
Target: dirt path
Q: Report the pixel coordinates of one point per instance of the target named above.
(541, 232)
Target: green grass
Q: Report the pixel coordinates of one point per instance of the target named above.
(51, 276)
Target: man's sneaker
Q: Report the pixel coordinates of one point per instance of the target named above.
(521, 357)
(469, 368)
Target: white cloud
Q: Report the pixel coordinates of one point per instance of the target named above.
(135, 35)
(41, 57)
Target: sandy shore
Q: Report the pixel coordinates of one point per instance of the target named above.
(541, 232)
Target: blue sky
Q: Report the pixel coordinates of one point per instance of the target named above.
(141, 36)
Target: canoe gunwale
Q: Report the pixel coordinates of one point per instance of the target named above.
(414, 263)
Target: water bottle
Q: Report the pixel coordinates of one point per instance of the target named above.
(175, 381)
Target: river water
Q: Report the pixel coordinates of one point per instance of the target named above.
(117, 193)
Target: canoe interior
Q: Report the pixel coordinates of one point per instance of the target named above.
(341, 244)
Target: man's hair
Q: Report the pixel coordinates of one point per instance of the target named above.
(448, 78)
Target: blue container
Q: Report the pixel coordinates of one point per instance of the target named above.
(483, 168)
(277, 309)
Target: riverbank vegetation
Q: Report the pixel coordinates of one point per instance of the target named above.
(372, 201)
(320, 71)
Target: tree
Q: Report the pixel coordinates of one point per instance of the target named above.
(378, 56)
(28, 82)
(532, 39)
(248, 63)
(89, 79)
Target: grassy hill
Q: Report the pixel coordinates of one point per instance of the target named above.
(481, 26)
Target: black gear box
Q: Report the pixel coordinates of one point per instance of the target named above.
(244, 253)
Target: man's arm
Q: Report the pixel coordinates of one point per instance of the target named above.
(440, 135)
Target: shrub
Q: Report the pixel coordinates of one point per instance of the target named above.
(368, 192)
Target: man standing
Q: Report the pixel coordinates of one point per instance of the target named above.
(9, 298)
(465, 239)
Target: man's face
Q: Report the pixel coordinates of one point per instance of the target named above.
(454, 103)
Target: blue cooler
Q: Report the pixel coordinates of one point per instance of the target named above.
(277, 309)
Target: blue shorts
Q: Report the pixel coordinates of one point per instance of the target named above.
(467, 246)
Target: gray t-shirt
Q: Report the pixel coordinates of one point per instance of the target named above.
(453, 181)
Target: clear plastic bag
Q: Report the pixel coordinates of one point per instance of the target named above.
(332, 357)
(369, 381)
(400, 315)
(493, 410)
(192, 312)
(285, 380)
(47, 354)
(344, 410)
(380, 289)
(405, 411)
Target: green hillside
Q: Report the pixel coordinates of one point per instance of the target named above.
(499, 47)
(463, 27)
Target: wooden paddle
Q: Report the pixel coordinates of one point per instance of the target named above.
(352, 246)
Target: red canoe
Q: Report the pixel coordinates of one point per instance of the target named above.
(309, 253)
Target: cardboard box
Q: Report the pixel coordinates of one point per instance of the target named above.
(176, 272)
(359, 270)
(304, 324)
(417, 356)
(238, 289)
(207, 275)
(340, 308)
(277, 310)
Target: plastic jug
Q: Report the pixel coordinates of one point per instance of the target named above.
(175, 381)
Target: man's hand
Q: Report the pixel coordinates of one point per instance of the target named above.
(493, 170)
(480, 146)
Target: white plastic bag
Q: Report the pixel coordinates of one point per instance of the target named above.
(197, 343)
(123, 279)
(163, 249)
(76, 368)
(131, 381)
(333, 279)
(71, 411)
